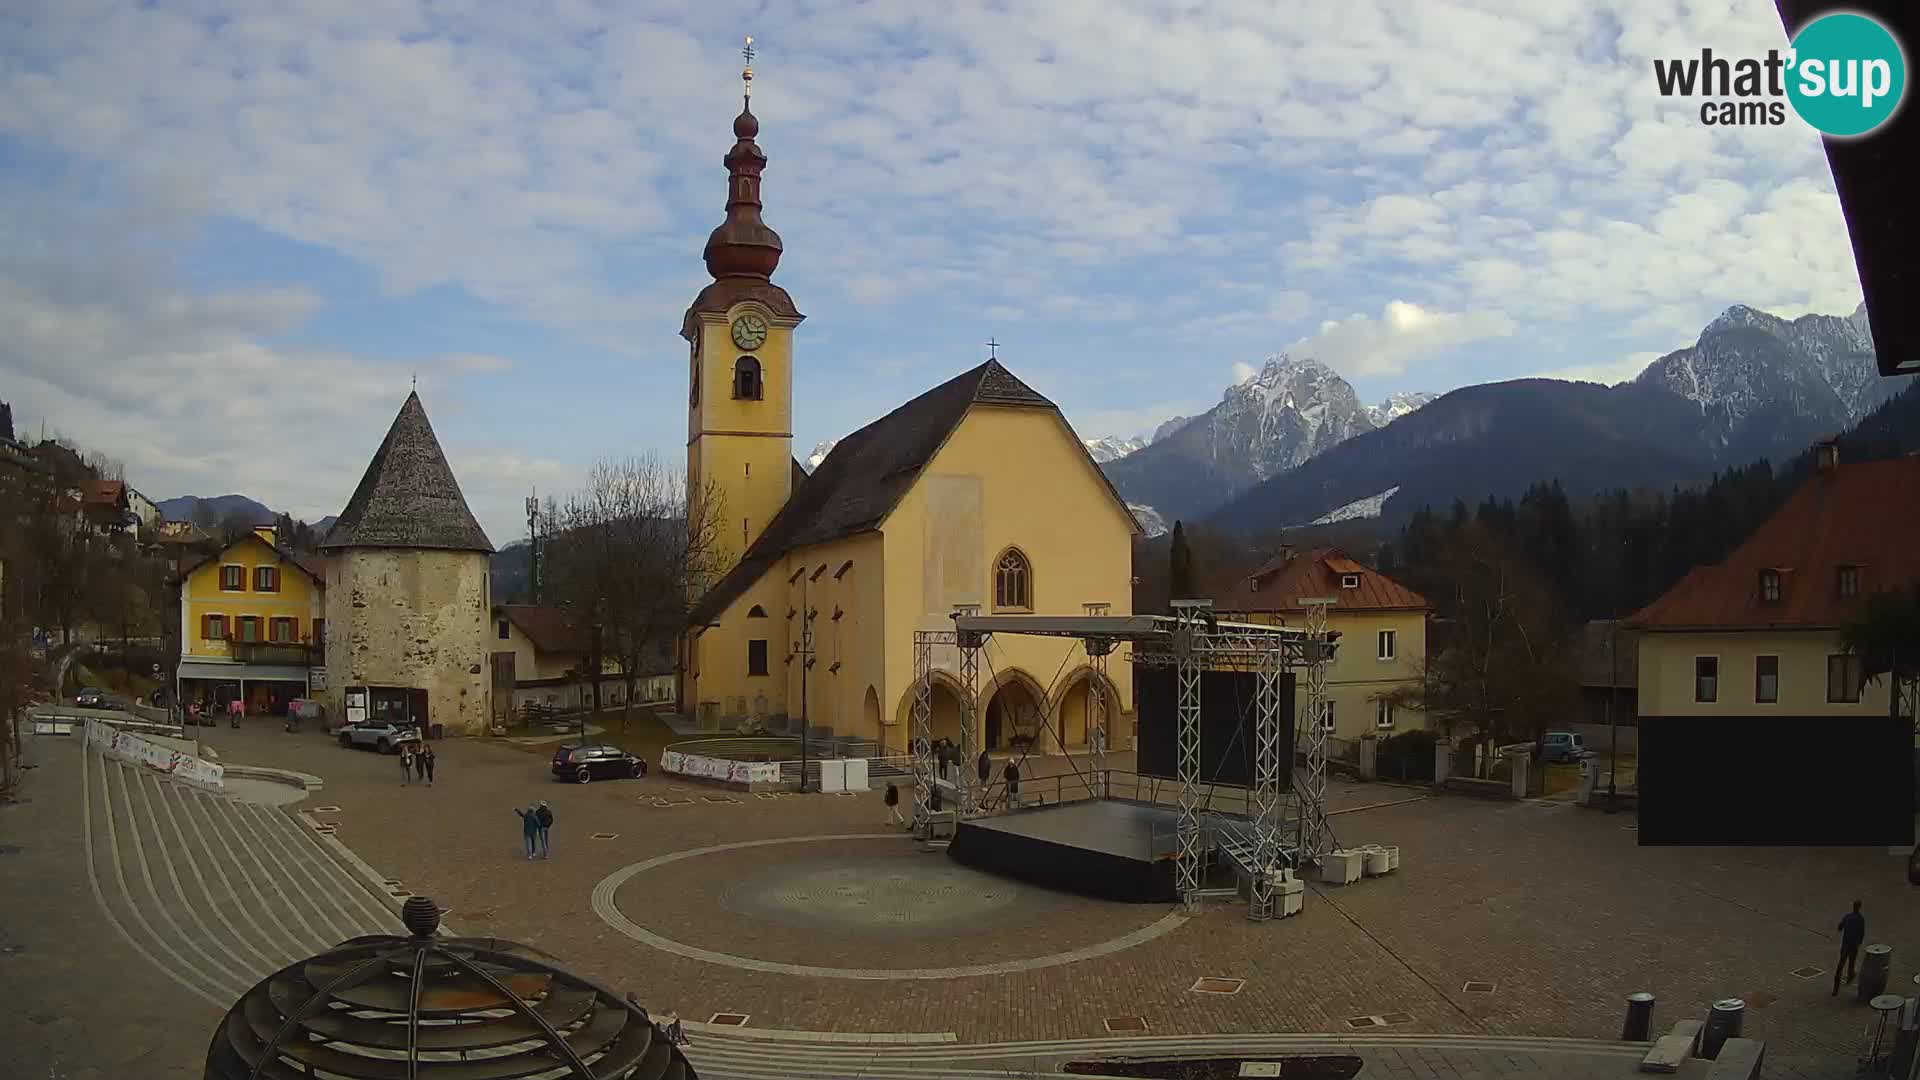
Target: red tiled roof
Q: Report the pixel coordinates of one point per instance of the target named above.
(1283, 582)
(1865, 515)
(109, 492)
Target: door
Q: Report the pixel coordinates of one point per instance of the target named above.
(993, 725)
(417, 710)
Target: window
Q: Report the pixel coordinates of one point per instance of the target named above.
(1383, 714)
(756, 612)
(1843, 679)
(1766, 680)
(249, 627)
(1386, 644)
(502, 631)
(1013, 581)
(746, 378)
(1706, 678)
(1769, 586)
(266, 579)
(1846, 581)
(213, 627)
(282, 631)
(233, 579)
(1326, 718)
(1349, 581)
(757, 656)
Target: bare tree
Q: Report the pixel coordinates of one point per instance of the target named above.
(632, 551)
(1501, 670)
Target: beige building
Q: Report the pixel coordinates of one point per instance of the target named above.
(541, 657)
(407, 590)
(1382, 626)
(1758, 634)
(977, 493)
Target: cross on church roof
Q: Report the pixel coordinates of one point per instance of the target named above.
(993, 349)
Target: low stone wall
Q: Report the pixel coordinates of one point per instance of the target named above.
(1484, 789)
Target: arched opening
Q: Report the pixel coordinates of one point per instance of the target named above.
(945, 720)
(870, 715)
(1073, 708)
(1012, 581)
(756, 612)
(746, 378)
(1013, 716)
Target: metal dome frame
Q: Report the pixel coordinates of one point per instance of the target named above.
(357, 1013)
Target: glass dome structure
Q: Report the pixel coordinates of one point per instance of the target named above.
(423, 1007)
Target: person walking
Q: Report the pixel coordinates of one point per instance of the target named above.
(893, 805)
(1853, 931)
(426, 763)
(406, 765)
(529, 827)
(1012, 776)
(544, 815)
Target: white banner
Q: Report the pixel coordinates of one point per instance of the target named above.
(129, 747)
(733, 772)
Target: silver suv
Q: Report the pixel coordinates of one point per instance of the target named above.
(379, 735)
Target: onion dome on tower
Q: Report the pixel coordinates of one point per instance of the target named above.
(743, 252)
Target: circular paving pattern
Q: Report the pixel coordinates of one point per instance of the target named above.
(867, 896)
(879, 896)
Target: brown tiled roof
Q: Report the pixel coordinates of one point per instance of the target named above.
(1864, 515)
(550, 628)
(867, 473)
(1601, 662)
(1282, 582)
(107, 492)
(408, 497)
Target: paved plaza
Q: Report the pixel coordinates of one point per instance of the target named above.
(808, 913)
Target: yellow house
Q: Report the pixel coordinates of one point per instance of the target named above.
(1382, 626)
(252, 625)
(1758, 634)
(976, 493)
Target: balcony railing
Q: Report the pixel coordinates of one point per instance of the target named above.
(275, 652)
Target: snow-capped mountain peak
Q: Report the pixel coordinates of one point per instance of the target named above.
(819, 454)
(1110, 448)
(1398, 405)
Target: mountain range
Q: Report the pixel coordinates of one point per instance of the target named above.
(222, 507)
(1751, 386)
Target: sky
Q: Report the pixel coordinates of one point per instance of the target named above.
(234, 234)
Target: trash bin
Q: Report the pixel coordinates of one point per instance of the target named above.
(1875, 964)
(1723, 1023)
(1639, 1025)
(433, 732)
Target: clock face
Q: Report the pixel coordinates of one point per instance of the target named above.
(749, 331)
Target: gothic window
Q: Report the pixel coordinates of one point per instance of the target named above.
(1013, 581)
(756, 612)
(746, 378)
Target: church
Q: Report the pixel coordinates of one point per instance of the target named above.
(976, 494)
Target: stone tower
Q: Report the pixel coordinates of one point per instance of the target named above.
(407, 595)
(740, 369)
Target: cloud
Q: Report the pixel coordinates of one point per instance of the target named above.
(1243, 371)
(1606, 373)
(1361, 346)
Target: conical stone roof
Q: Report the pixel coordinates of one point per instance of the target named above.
(408, 497)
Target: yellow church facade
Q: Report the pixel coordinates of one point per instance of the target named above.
(976, 494)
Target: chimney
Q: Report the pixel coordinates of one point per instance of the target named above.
(1826, 457)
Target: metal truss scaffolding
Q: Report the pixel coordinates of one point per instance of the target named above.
(1286, 826)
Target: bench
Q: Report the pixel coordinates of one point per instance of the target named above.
(1739, 1060)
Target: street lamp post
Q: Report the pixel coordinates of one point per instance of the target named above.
(594, 663)
(1613, 726)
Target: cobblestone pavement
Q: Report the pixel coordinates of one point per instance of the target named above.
(1552, 904)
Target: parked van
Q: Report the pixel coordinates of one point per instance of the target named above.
(1564, 746)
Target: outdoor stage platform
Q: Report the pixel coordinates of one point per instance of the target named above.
(1100, 847)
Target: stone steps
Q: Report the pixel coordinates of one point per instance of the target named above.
(216, 891)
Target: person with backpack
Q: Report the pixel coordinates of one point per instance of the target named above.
(544, 815)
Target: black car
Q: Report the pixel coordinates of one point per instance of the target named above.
(585, 763)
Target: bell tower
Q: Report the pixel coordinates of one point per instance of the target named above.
(739, 333)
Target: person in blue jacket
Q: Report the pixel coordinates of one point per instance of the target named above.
(529, 827)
